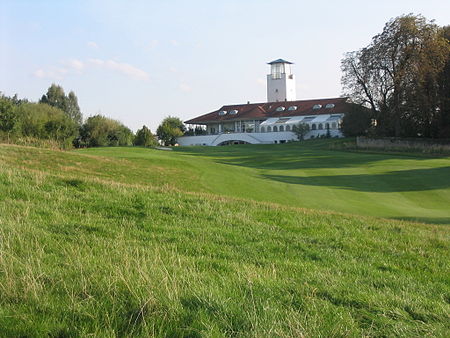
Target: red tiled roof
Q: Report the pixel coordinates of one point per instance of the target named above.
(255, 111)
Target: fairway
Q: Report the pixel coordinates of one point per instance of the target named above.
(217, 242)
(310, 175)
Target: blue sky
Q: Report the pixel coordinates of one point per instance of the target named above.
(139, 61)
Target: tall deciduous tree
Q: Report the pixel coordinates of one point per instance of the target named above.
(397, 76)
(144, 137)
(170, 129)
(73, 109)
(56, 97)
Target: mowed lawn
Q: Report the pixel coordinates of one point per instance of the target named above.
(310, 175)
(145, 243)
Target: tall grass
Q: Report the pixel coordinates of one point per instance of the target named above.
(93, 255)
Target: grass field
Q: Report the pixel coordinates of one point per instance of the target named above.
(400, 186)
(236, 241)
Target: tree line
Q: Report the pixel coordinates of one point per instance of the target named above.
(400, 81)
(56, 117)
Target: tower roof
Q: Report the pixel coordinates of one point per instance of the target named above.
(280, 61)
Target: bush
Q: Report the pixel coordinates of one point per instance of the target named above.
(101, 131)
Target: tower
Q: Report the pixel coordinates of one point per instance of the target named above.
(280, 82)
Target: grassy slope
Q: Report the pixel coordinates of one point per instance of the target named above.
(311, 175)
(98, 246)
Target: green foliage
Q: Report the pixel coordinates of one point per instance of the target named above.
(300, 130)
(398, 76)
(40, 120)
(145, 138)
(101, 131)
(56, 97)
(170, 129)
(198, 130)
(357, 121)
(98, 249)
(8, 117)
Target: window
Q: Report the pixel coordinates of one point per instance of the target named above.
(233, 112)
(222, 112)
(288, 128)
(333, 125)
(327, 126)
(263, 130)
(277, 70)
(329, 106)
(292, 108)
(320, 126)
(313, 127)
(281, 108)
(275, 129)
(269, 129)
(317, 106)
(281, 128)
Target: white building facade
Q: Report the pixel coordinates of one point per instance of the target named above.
(272, 121)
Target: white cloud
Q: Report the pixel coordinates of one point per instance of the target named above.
(92, 45)
(52, 73)
(173, 69)
(174, 43)
(75, 66)
(153, 44)
(120, 67)
(40, 73)
(185, 87)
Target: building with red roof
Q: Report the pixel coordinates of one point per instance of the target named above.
(272, 121)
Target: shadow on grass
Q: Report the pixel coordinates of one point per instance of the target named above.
(429, 220)
(394, 181)
(308, 155)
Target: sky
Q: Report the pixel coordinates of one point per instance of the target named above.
(140, 61)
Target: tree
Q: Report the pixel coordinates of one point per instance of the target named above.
(56, 97)
(145, 138)
(8, 117)
(357, 121)
(300, 130)
(397, 76)
(73, 109)
(443, 118)
(170, 129)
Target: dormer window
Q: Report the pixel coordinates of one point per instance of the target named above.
(291, 108)
(329, 106)
(233, 112)
(317, 106)
(223, 112)
(281, 108)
